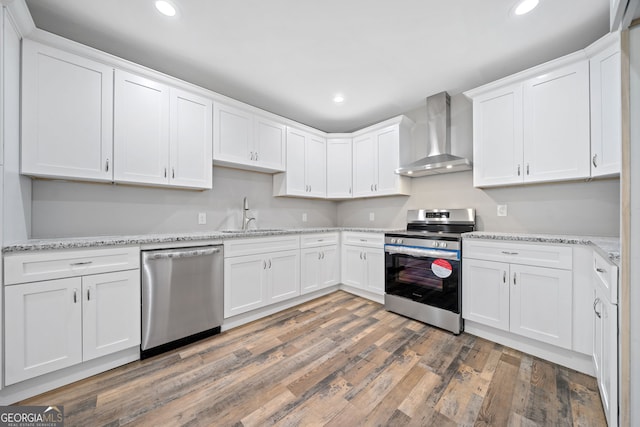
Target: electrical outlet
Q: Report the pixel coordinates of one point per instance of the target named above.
(304, 217)
(502, 210)
(372, 216)
(202, 218)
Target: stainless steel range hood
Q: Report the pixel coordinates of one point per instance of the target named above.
(439, 159)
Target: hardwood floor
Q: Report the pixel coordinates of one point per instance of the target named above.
(339, 360)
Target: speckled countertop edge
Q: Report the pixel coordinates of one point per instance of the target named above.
(608, 246)
(98, 241)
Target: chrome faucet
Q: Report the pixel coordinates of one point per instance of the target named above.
(246, 219)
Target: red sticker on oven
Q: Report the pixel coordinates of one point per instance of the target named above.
(441, 268)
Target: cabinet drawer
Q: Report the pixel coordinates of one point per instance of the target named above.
(606, 276)
(319, 239)
(251, 246)
(57, 264)
(372, 240)
(535, 254)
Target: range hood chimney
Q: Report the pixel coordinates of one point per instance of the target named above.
(439, 158)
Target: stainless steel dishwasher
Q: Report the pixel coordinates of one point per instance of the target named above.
(182, 296)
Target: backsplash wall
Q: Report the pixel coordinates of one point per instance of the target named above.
(69, 209)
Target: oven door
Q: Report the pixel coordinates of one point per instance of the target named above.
(426, 276)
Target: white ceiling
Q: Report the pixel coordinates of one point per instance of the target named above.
(291, 56)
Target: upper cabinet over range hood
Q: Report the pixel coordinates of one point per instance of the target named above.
(439, 160)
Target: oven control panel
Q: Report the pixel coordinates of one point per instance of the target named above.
(423, 243)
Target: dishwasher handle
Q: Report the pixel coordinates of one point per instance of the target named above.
(185, 253)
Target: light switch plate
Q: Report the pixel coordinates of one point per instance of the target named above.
(202, 218)
(502, 210)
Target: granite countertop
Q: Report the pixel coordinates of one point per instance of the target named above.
(99, 241)
(609, 246)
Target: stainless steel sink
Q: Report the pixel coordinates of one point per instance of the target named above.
(256, 230)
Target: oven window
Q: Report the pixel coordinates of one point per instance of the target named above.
(412, 271)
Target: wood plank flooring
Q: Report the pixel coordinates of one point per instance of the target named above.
(339, 360)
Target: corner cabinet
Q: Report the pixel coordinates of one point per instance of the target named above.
(320, 261)
(306, 174)
(155, 147)
(534, 126)
(259, 272)
(87, 307)
(67, 115)
(522, 288)
(363, 261)
(377, 153)
(247, 141)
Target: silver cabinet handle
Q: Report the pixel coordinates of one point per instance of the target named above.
(77, 264)
(75, 296)
(594, 160)
(365, 256)
(509, 253)
(600, 270)
(371, 187)
(527, 168)
(256, 156)
(264, 264)
(251, 154)
(319, 257)
(504, 277)
(514, 279)
(173, 173)
(322, 255)
(106, 168)
(269, 263)
(376, 187)
(88, 294)
(360, 255)
(518, 170)
(595, 303)
(165, 172)
(349, 190)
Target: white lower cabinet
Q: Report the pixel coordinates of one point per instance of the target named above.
(528, 300)
(255, 277)
(363, 261)
(59, 323)
(605, 337)
(320, 262)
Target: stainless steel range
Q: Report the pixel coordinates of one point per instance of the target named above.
(423, 266)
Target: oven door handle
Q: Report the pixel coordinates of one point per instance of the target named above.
(422, 253)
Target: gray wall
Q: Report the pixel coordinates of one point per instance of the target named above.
(62, 209)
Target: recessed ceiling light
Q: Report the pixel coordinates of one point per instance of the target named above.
(166, 8)
(338, 99)
(525, 6)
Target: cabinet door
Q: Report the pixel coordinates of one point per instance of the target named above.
(605, 354)
(111, 313)
(295, 175)
(387, 161)
(269, 144)
(283, 269)
(43, 328)
(330, 266)
(374, 261)
(364, 165)
(339, 168)
(141, 130)
(310, 270)
(353, 266)
(191, 140)
(233, 135)
(316, 166)
(606, 112)
(556, 125)
(67, 113)
(541, 304)
(485, 296)
(244, 284)
(497, 137)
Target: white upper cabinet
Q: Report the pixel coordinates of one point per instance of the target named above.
(306, 174)
(533, 126)
(66, 115)
(247, 141)
(162, 135)
(141, 129)
(191, 140)
(339, 168)
(377, 153)
(497, 128)
(606, 106)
